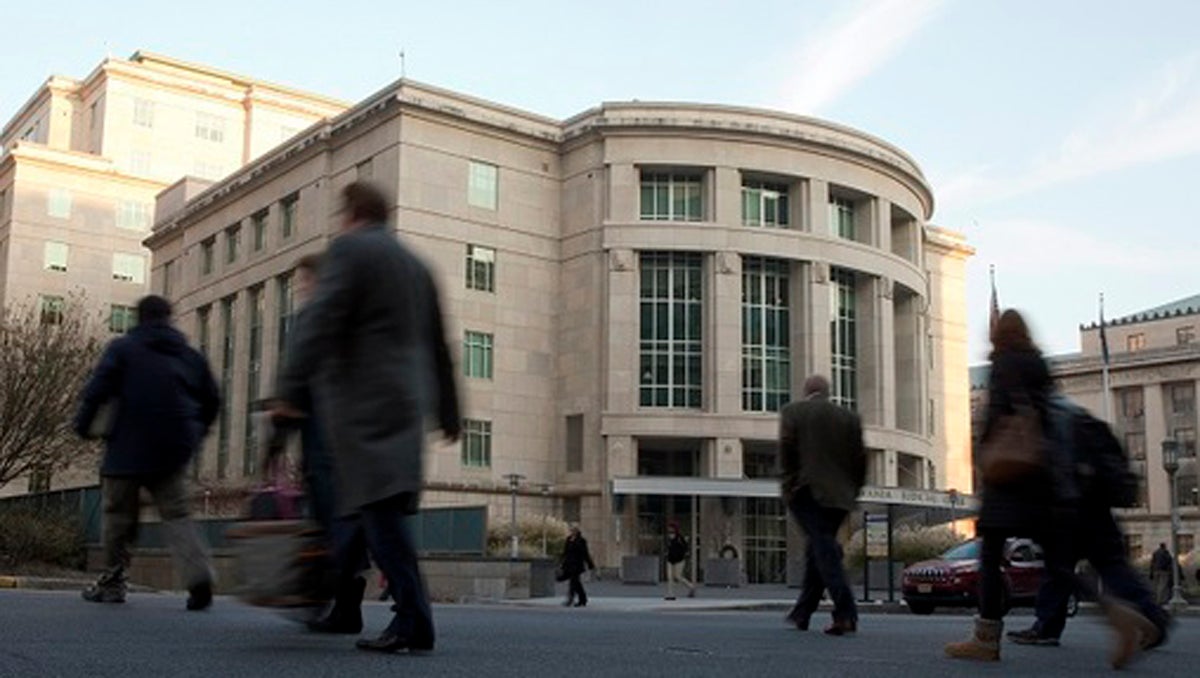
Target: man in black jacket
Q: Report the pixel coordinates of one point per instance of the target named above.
(159, 399)
(824, 466)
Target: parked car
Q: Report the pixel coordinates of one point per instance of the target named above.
(953, 579)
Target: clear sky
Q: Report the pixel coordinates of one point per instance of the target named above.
(1062, 137)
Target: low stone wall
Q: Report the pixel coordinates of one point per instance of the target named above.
(448, 578)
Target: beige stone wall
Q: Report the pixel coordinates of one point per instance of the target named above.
(946, 256)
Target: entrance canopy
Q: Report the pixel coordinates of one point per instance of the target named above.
(902, 501)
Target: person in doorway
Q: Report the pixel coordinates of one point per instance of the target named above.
(824, 467)
(1160, 573)
(677, 555)
(575, 560)
(373, 340)
(162, 400)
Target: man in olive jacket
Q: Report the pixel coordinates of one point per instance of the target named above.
(373, 345)
(824, 467)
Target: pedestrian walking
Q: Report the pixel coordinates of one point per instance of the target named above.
(1027, 464)
(316, 462)
(372, 341)
(824, 467)
(1161, 564)
(575, 560)
(161, 399)
(677, 554)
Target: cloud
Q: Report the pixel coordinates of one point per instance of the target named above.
(1160, 122)
(1038, 246)
(849, 48)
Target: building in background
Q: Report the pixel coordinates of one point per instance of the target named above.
(82, 161)
(1154, 370)
(634, 293)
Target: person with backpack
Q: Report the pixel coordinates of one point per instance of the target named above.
(677, 554)
(162, 400)
(1105, 482)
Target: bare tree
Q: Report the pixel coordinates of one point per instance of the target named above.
(46, 354)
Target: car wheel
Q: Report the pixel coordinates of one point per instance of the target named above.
(919, 607)
(1072, 605)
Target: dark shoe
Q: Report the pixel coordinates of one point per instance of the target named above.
(200, 596)
(391, 643)
(568, 603)
(582, 603)
(797, 620)
(692, 592)
(109, 588)
(668, 597)
(841, 628)
(346, 614)
(1032, 637)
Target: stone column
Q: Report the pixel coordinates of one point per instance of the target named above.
(623, 193)
(818, 207)
(723, 343)
(724, 458)
(810, 322)
(726, 192)
(1157, 486)
(621, 354)
(876, 351)
(883, 224)
(620, 529)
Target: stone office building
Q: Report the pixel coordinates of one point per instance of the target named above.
(82, 161)
(633, 293)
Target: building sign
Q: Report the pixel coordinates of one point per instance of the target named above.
(877, 535)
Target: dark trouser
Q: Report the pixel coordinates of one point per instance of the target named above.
(575, 592)
(381, 528)
(317, 465)
(121, 507)
(822, 559)
(991, 580)
(1099, 540)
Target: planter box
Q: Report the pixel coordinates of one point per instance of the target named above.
(723, 572)
(640, 569)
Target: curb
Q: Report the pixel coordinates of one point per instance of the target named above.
(57, 584)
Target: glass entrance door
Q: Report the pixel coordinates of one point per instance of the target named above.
(766, 541)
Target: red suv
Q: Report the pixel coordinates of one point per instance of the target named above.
(953, 579)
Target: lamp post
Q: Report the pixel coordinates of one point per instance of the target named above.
(1170, 462)
(545, 510)
(953, 511)
(514, 483)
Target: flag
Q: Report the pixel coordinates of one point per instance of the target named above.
(1103, 336)
(995, 310)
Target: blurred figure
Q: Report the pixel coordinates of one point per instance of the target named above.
(575, 559)
(162, 399)
(824, 467)
(1045, 504)
(1160, 574)
(677, 554)
(372, 338)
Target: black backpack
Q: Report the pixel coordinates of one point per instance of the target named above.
(1104, 471)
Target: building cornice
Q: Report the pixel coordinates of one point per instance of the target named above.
(37, 154)
(948, 242)
(1154, 357)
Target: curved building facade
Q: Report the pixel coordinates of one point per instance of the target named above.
(635, 293)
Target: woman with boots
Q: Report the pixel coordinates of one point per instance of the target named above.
(1019, 379)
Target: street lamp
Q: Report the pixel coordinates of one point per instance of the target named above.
(514, 483)
(1170, 462)
(545, 510)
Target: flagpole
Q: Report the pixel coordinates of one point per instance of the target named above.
(1105, 383)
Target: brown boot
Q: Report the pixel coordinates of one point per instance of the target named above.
(1134, 631)
(983, 645)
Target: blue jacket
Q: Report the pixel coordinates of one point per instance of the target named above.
(164, 396)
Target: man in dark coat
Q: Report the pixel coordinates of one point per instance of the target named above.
(576, 559)
(372, 343)
(824, 467)
(1160, 573)
(160, 399)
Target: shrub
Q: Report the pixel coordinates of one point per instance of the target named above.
(910, 544)
(52, 537)
(529, 530)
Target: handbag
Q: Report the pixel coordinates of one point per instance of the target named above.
(1015, 449)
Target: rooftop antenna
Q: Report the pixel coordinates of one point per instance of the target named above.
(402, 63)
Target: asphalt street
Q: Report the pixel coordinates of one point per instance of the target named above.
(55, 633)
